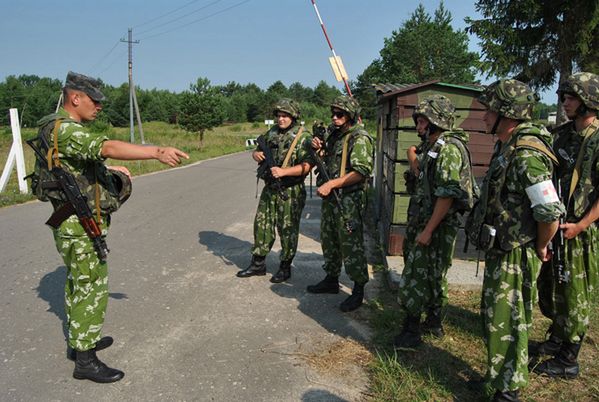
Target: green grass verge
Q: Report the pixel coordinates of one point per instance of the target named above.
(220, 141)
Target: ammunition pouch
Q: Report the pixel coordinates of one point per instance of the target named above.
(411, 180)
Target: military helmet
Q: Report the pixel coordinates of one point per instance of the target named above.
(438, 110)
(510, 98)
(288, 106)
(585, 86)
(348, 105)
(123, 185)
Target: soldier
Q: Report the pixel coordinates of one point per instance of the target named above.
(577, 149)
(83, 153)
(284, 194)
(348, 160)
(444, 190)
(513, 222)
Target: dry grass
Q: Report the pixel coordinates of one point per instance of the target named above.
(340, 358)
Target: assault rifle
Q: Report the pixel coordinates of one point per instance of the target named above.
(76, 203)
(264, 167)
(558, 246)
(319, 131)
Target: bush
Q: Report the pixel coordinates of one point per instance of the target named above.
(99, 126)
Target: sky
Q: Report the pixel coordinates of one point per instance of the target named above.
(259, 41)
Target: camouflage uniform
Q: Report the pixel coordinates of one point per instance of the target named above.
(573, 297)
(446, 173)
(511, 263)
(338, 246)
(86, 289)
(274, 212)
(567, 303)
(423, 283)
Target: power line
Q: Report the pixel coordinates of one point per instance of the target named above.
(179, 18)
(198, 20)
(164, 15)
(119, 57)
(97, 64)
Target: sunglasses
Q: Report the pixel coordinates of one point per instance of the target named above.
(337, 114)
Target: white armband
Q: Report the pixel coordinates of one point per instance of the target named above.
(542, 193)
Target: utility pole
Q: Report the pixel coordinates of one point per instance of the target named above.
(132, 96)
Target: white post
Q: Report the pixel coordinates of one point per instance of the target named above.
(15, 155)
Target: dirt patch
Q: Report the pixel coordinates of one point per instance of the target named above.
(340, 358)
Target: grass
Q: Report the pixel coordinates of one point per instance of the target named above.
(222, 140)
(439, 369)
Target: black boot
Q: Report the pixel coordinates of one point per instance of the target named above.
(433, 325)
(89, 367)
(283, 273)
(257, 267)
(506, 396)
(410, 336)
(102, 344)
(330, 284)
(564, 364)
(549, 347)
(355, 300)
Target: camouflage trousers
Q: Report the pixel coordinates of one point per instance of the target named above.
(86, 288)
(568, 303)
(284, 216)
(423, 283)
(339, 247)
(509, 294)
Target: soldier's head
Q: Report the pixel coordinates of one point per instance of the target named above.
(82, 97)
(345, 110)
(579, 94)
(286, 111)
(433, 114)
(508, 103)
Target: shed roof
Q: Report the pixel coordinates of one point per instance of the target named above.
(385, 91)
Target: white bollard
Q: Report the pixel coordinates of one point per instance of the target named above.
(15, 155)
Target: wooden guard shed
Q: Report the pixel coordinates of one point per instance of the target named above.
(397, 132)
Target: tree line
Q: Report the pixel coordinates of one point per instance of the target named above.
(36, 97)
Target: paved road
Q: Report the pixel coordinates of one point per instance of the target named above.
(185, 328)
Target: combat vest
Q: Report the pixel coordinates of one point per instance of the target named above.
(105, 190)
(490, 225)
(283, 147)
(338, 149)
(470, 191)
(567, 146)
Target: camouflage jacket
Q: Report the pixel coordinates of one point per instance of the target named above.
(513, 169)
(567, 147)
(279, 143)
(80, 153)
(445, 172)
(359, 155)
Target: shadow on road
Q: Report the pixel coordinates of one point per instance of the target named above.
(321, 395)
(231, 250)
(51, 289)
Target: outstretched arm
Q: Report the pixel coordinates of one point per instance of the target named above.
(125, 151)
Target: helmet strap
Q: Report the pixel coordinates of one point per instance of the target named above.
(497, 121)
(582, 110)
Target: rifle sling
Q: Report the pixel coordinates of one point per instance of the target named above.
(60, 215)
(292, 147)
(588, 132)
